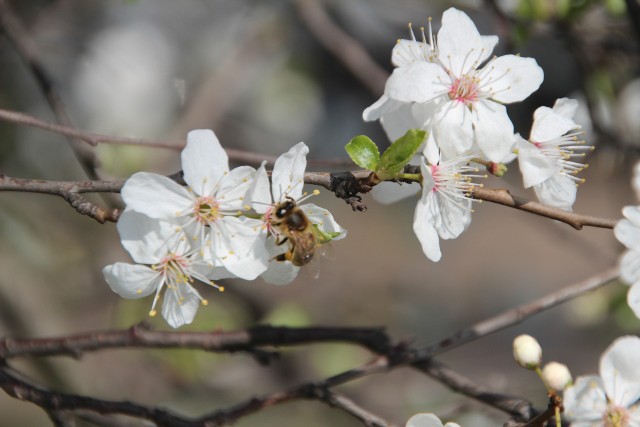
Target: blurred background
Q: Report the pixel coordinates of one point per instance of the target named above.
(259, 75)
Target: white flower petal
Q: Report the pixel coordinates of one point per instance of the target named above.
(155, 195)
(628, 234)
(382, 106)
(234, 188)
(630, 267)
(132, 281)
(426, 233)
(278, 272)
(287, 178)
(460, 46)
(388, 192)
(178, 312)
(585, 400)
(511, 78)
(633, 299)
(488, 44)
(619, 371)
(260, 192)
(566, 107)
(420, 82)
(424, 420)
(431, 150)
(558, 191)
(633, 214)
(534, 165)
(396, 123)
(204, 161)
(453, 128)
(493, 130)
(406, 52)
(237, 243)
(549, 125)
(147, 239)
(324, 220)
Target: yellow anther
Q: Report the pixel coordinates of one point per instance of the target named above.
(316, 192)
(221, 288)
(205, 302)
(152, 313)
(246, 207)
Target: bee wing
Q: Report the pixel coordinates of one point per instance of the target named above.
(326, 250)
(312, 269)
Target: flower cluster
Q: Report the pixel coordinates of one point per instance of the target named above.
(610, 399)
(223, 224)
(627, 231)
(451, 86)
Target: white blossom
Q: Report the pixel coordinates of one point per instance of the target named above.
(627, 231)
(546, 160)
(208, 209)
(608, 400)
(427, 420)
(444, 209)
(468, 108)
(168, 262)
(287, 182)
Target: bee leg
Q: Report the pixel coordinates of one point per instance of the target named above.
(284, 257)
(281, 242)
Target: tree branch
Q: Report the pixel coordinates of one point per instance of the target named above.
(345, 185)
(344, 47)
(15, 32)
(519, 314)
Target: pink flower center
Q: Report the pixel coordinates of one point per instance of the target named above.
(206, 209)
(616, 416)
(175, 268)
(465, 90)
(434, 175)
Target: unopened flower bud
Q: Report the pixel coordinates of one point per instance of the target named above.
(497, 169)
(527, 352)
(556, 375)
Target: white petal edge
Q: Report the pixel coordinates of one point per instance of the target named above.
(156, 196)
(132, 281)
(619, 371)
(460, 46)
(287, 178)
(178, 312)
(511, 78)
(204, 161)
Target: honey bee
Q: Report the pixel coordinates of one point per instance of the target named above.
(294, 227)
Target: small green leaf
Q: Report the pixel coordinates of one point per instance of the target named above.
(324, 237)
(400, 152)
(364, 152)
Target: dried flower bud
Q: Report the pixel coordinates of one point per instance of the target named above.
(556, 375)
(527, 352)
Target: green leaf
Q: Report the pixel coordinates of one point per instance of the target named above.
(400, 152)
(364, 152)
(324, 237)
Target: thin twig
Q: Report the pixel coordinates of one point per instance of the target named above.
(14, 31)
(518, 314)
(577, 221)
(93, 139)
(344, 47)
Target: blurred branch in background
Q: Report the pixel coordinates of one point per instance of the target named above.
(389, 356)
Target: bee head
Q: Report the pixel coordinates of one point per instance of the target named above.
(285, 207)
